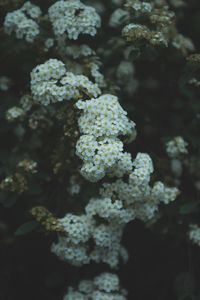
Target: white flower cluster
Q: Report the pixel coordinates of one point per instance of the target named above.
(104, 117)
(28, 165)
(5, 83)
(50, 83)
(194, 234)
(119, 203)
(26, 102)
(14, 113)
(132, 26)
(49, 43)
(73, 18)
(137, 32)
(74, 187)
(184, 43)
(77, 228)
(136, 199)
(125, 71)
(140, 7)
(97, 75)
(96, 234)
(101, 122)
(104, 287)
(76, 51)
(18, 112)
(176, 147)
(118, 17)
(71, 247)
(23, 22)
(176, 167)
(74, 246)
(194, 81)
(125, 77)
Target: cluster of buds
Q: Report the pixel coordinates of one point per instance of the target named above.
(46, 219)
(14, 183)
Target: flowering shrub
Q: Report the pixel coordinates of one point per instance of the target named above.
(76, 171)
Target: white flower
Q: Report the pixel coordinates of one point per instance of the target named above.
(194, 234)
(14, 113)
(176, 147)
(118, 17)
(104, 116)
(5, 83)
(106, 286)
(107, 282)
(78, 228)
(23, 22)
(72, 253)
(73, 18)
(76, 51)
(50, 83)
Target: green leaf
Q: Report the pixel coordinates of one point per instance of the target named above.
(26, 228)
(189, 208)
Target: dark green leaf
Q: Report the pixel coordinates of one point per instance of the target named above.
(26, 228)
(189, 208)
